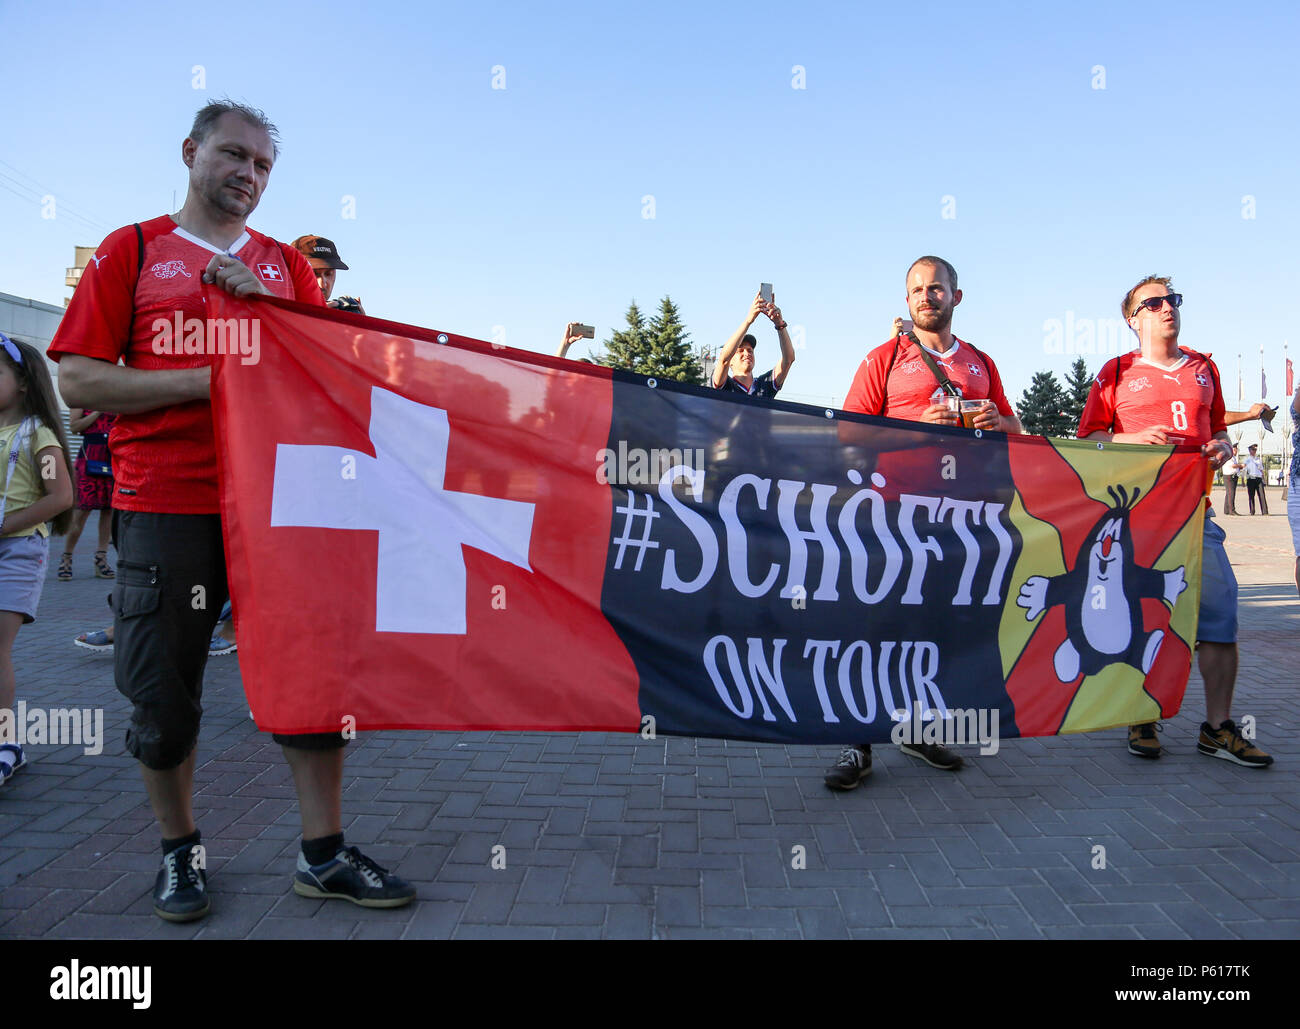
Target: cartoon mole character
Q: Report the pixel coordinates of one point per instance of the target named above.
(1103, 598)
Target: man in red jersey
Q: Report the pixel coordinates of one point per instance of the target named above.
(141, 301)
(897, 381)
(1160, 394)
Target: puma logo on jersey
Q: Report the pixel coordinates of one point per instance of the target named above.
(96, 258)
(1137, 385)
(170, 269)
(1175, 378)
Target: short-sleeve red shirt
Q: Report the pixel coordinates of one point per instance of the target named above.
(165, 460)
(1131, 393)
(908, 388)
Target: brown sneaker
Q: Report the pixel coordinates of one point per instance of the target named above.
(1142, 740)
(1228, 743)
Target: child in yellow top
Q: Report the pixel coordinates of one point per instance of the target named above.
(35, 488)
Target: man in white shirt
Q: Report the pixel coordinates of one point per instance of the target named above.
(1255, 481)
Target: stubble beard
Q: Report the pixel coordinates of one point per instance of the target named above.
(933, 321)
(230, 204)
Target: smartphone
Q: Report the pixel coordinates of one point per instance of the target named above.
(586, 331)
(765, 292)
(907, 325)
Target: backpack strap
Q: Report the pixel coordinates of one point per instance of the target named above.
(139, 267)
(893, 356)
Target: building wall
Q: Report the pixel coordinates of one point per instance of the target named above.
(35, 323)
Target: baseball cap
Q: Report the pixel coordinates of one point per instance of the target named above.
(320, 249)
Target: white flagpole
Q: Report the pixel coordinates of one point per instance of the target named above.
(1287, 427)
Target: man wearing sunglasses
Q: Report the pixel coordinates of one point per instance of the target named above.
(166, 503)
(1164, 394)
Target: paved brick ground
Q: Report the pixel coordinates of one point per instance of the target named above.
(614, 836)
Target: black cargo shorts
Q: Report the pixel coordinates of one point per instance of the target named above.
(171, 584)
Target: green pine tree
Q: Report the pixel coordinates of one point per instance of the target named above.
(1078, 384)
(628, 348)
(671, 346)
(660, 349)
(1042, 408)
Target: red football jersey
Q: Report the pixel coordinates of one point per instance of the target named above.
(1131, 393)
(164, 460)
(909, 387)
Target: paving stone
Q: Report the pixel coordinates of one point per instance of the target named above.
(677, 906)
(612, 836)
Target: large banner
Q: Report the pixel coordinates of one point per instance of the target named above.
(428, 531)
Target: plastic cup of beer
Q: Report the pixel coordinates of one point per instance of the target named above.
(969, 409)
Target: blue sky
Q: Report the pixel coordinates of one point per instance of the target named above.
(510, 211)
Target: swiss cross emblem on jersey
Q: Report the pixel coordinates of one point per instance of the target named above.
(270, 272)
(1202, 379)
(974, 369)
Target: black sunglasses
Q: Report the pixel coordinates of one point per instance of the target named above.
(1155, 303)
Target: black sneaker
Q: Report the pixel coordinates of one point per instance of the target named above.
(350, 875)
(853, 766)
(180, 893)
(933, 755)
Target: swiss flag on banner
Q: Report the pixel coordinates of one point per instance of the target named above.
(414, 511)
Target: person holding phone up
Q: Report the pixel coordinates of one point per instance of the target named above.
(735, 368)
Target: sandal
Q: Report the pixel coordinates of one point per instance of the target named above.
(65, 567)
(219, 647)
(6, 769)
(102, 570)
(97, 641)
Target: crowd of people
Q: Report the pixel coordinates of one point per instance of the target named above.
(161, 481)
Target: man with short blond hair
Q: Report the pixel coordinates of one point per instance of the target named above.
(1163, 394)
(167, 520)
